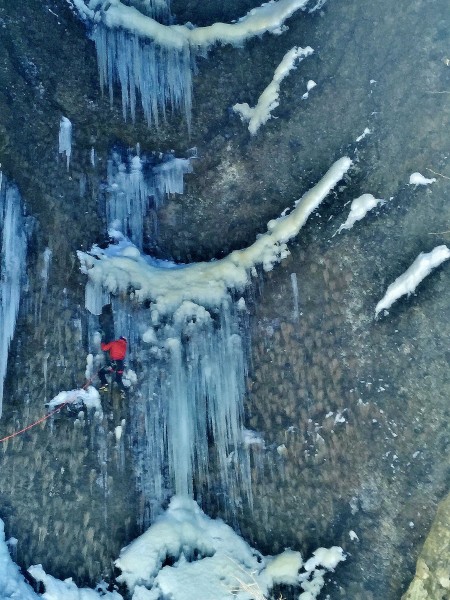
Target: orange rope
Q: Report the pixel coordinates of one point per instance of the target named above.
(43, 418)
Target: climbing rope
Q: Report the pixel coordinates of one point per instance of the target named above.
(45, 417)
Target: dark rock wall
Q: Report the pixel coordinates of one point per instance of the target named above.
(387, 378)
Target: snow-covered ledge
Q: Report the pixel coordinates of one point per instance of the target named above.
(269, 17)
(121, 267)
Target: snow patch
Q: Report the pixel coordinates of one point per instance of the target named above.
(358, 210)
(418, 179)
(209, 560)
(309, 86)
(269, 99)
(55, 589)
(89, 397)
(410, 279)
(366, 132)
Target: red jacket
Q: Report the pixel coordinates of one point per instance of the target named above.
(117, 349)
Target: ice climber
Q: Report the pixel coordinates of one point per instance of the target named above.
(117, 350)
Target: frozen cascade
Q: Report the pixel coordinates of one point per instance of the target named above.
(12, 268)
(161, 76)
(187, 409)
(132, 181)
(189, 350)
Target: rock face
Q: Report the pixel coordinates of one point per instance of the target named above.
(432, 579)
(353, 411)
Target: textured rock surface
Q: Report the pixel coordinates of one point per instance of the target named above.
(378, 464)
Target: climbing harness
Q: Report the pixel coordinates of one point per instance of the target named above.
(45, 417)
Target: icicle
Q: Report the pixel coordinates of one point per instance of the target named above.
(47, 256)
(93, 157)
(12, 269)
(295, 294)
(65, 138)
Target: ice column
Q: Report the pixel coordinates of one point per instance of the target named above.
(12, 268)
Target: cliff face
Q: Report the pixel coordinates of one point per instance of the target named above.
(352, 410)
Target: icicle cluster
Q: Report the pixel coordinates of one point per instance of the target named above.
(161, 76)
(12, 268)
(131, 184)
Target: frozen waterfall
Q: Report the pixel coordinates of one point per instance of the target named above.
(188, 343)
(186, 413)
(12, 268)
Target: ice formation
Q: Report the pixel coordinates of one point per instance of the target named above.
(89, 397)
(65, 138)
(209, 560)
(410, 279)
(155, 61)
(12, 268)
(419, 179)
(47, 257)
(294, 283)
(132, 181)
(121, 267)
(269, 99)
(358, 210)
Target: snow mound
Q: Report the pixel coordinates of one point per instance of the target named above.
(209, 560)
